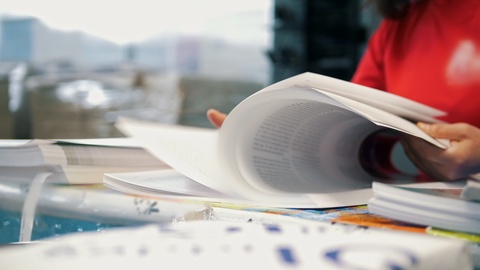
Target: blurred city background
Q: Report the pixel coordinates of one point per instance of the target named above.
(68, 69)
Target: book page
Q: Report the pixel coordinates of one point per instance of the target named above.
(24, 153)
(166, 181)
(192, 152)
(379, 99)
(297, 140)
(189, 150)
(113, 142)
(386, 119)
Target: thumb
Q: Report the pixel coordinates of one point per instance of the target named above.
(442, 131)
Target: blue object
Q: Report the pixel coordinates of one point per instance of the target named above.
(44, 226)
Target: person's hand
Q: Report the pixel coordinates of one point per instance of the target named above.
(216, 118)
(459, 160)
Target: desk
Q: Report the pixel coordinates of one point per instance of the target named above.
(48, 227)
(62, 210)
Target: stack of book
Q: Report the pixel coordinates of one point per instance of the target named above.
(455, 207)
(72, 186)
(83, 161)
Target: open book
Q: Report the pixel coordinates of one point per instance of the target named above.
(307, 141)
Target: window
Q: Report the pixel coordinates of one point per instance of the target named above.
(92, 61)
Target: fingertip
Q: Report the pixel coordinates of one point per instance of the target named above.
(211, 115)
(210, 112)
(216, 117)
(427, 128)
(422, 125)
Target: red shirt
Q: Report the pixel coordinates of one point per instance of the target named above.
(431, 56)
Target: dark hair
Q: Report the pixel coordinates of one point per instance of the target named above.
(391, 9)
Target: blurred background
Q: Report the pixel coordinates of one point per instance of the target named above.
(68, 69)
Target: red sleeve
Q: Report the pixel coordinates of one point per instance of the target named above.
(370, 70)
